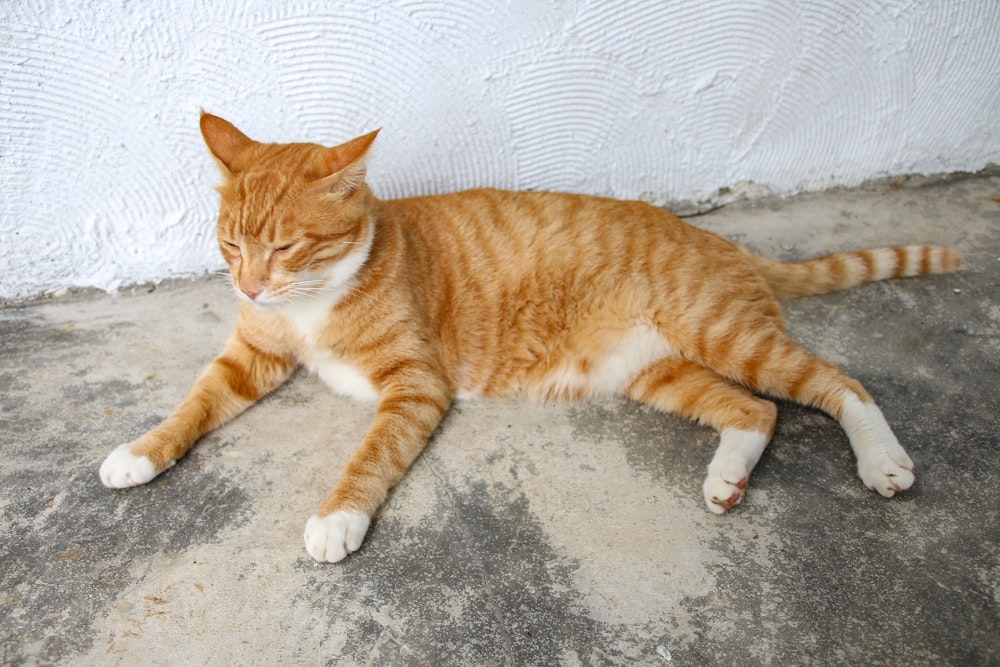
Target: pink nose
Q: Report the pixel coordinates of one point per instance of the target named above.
(252, 294)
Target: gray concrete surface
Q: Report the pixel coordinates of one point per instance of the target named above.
(525, 535)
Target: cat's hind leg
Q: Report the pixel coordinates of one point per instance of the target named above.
(883, 464)
(745, 422)
(776, 365)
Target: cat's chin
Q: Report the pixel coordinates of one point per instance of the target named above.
(266, 304)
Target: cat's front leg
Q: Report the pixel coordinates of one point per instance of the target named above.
(236, 379)
(405, 420)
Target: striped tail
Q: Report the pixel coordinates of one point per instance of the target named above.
(848, 269)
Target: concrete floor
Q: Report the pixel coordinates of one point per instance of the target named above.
(525, 535)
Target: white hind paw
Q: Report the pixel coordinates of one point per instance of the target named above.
(883, 464)
(887, 472)
(730, 468)
(722, 495)
(331, 538)
(123, 469)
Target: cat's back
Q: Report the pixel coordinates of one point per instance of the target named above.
(545, 221)
(501, 240)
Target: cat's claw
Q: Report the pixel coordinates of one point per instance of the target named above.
(888, 472)
(123, 469)
(331, 538)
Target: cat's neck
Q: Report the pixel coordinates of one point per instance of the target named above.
(309, 314)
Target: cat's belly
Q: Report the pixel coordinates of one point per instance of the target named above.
(342, 377)
(590, 368)
(608, 369)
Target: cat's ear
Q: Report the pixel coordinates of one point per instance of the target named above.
(345, 166)
(223, 140)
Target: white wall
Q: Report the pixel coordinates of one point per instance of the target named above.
(105, 181)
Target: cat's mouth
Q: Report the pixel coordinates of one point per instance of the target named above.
(301, 291)
(268, 306)
(263, 301)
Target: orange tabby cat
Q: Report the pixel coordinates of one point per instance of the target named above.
(414, 302)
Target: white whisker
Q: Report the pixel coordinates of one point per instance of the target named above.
(302, 289)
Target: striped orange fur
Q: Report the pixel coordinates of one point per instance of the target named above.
(849, 269)
(414, 302)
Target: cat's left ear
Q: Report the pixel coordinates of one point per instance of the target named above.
(223, 140)
(345, 166)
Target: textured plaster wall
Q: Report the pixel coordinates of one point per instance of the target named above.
(105, 181)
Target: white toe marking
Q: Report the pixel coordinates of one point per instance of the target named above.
(882, 463)
(734, 460)
(123, 469)
(331, 538)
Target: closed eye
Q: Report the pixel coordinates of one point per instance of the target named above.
(284, 248)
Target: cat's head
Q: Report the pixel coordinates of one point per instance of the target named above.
(295, 220)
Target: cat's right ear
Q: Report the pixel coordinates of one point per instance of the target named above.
(345, 166)
(223, 140)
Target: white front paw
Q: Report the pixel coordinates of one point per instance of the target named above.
(123, 469)
(330, 538)
(888, 471)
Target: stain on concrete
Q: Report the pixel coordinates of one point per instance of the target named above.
(69, 543)
(672, 450)
(483, 587)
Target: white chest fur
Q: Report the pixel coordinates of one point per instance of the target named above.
(308, 316)
(340, 376)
